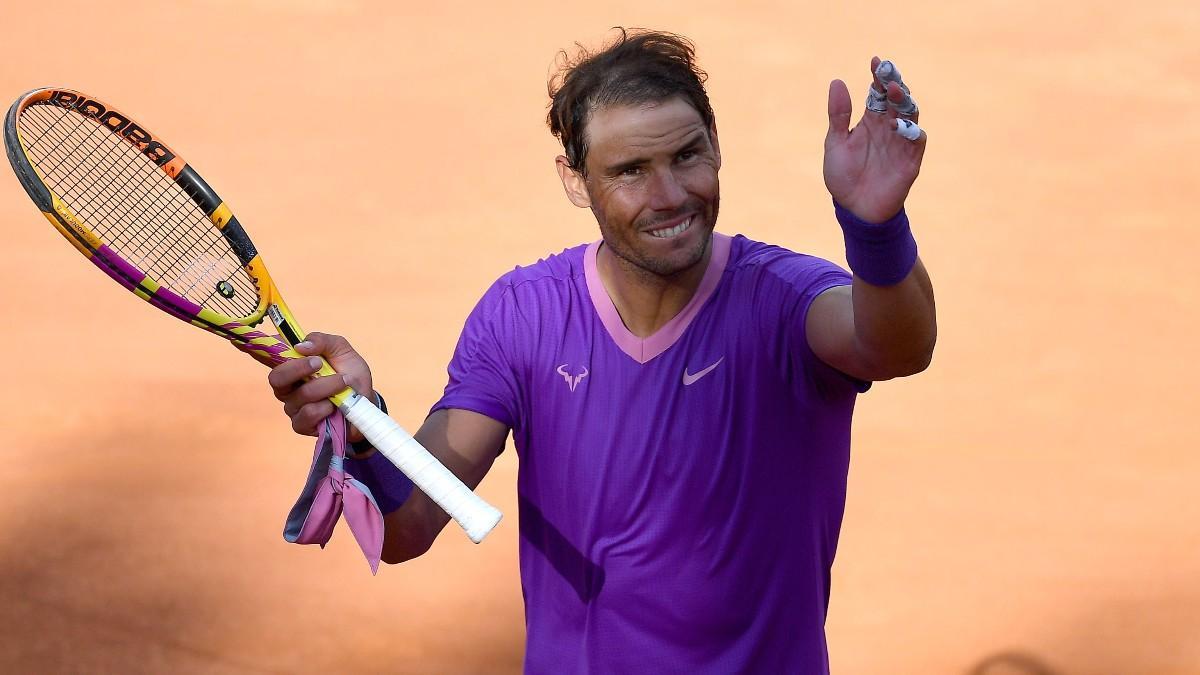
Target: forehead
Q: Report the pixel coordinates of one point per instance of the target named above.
(643, 127)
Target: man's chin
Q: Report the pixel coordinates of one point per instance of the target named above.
(675, 263)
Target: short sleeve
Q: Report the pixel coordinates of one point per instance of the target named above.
(482, 376)
(800, 279)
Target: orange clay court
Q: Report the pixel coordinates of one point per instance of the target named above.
(1026, 506)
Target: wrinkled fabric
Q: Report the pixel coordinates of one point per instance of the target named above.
(329, 493)
(680, 495)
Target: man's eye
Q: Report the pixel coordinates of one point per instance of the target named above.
(686, 155)
(631, 171)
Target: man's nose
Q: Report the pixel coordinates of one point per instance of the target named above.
(666, 191)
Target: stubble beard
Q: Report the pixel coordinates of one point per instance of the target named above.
(657, 267)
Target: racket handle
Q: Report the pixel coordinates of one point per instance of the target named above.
(475, 516)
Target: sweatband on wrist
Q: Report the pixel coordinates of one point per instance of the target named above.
(388, 484)
(881, 254)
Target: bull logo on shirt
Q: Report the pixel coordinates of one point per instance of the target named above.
(572, 380)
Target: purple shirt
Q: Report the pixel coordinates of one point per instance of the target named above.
(680, 495)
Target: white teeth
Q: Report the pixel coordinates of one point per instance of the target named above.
(669, 232)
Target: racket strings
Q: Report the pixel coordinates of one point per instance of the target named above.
(141, 213)
(197, 257)
(100, 193)
(192, 264)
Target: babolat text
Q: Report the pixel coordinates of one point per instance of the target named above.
(117, 123)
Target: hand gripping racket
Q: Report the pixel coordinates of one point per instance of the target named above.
(140, 213)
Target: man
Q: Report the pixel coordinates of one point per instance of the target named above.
(680, 400)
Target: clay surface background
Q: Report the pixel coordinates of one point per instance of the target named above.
(1028, 505)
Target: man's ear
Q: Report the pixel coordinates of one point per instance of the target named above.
(573, 183)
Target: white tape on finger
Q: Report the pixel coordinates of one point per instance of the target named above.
(908, 129)
(906, 108)
(887, 72)
(876, 100)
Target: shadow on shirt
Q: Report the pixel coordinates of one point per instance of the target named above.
(585, 576)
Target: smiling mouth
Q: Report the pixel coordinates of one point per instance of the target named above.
(668, 232)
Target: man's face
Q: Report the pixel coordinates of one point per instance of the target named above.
(652, 183)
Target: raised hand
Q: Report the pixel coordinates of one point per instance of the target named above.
(869, 169)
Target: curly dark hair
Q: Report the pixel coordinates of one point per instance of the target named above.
(640, 66)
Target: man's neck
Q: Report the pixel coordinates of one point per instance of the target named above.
(647, 301)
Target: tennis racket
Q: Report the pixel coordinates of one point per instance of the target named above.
(139, 212)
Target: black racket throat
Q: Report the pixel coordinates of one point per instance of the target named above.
(282, 324)
(208, 200)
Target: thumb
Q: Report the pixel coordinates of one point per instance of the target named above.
(335, 348)
(839, 111)
(318, 344)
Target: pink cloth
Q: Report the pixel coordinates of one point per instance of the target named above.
(329, 493)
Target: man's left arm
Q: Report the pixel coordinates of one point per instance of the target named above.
(875, 332)
(883, 325)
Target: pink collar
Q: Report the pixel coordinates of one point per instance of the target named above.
(644, 349)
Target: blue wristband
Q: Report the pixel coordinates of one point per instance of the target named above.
(881, 254)
(388, 485)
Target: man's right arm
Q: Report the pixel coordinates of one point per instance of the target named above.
(465, 441)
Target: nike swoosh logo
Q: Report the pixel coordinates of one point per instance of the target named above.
(688, 378)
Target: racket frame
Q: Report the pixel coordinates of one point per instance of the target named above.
(472, 513)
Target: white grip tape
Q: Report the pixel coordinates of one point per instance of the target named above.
(475, 516)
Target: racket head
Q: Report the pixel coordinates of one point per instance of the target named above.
(133, 206)
(140, 213)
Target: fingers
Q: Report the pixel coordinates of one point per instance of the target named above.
(306, 419)
(340, 354)
(313, 391)
(888, 93)
(909, 130)
(330, 346)
(839, 110)
(287, 376)
(877, 92)
(899, 98)
(309, 403)
(305, 397)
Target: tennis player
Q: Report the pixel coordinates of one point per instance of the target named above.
(679, 399)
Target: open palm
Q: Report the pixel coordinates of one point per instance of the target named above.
(869, 169)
